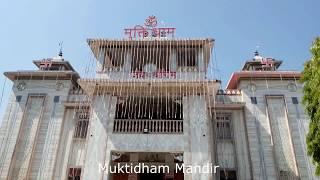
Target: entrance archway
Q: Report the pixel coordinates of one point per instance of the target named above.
(161, 160)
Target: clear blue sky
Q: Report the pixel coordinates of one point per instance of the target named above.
(284, 29)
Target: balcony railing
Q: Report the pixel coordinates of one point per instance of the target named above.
(148, 126)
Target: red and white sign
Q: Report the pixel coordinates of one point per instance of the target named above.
(45, 64)
(267, 62)
(157, 74)
(149, 30)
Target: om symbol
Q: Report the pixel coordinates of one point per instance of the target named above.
(151, 21)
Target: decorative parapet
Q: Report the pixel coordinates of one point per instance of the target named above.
(229, 92)
(228, 99)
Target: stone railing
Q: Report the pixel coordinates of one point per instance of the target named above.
(148, 126)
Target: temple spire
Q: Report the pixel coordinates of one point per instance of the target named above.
(257, 56)
(60, 51)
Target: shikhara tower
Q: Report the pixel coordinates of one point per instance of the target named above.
(151, 101)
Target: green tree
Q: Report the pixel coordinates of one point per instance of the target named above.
(311, 100)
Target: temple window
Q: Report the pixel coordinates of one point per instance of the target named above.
(82, 122)
(187, 57)
(116, 56)
(169, 108)
(145, 57)
(287, 175)
(253, 100)
(228, 174)
(295, 100)
(223, 126)
(74, 173)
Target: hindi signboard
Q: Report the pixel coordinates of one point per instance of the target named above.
(149, 30)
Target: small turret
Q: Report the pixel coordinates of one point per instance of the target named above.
(259, 63)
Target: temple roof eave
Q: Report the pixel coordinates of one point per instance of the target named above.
(237, 76)
(31, 75)
(102, 42)
(114, 87)
(96, 44)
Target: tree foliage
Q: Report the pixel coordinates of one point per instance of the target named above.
(311, 100)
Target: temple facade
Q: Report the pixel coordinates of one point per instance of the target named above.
(150, 104)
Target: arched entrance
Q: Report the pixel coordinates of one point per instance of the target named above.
(164, 163)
